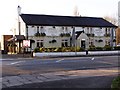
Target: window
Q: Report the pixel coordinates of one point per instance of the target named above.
(64, 43)
(90, 30)
(62, 28)
(40, 43)
(37, 44)
(37, 29)
(106, 31)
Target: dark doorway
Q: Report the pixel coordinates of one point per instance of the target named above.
(83, 44)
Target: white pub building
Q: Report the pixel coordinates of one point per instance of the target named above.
(51, 31)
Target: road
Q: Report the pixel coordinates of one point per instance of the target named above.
(12, 67)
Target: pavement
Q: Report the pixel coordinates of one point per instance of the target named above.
(11, 56)
(11, 81)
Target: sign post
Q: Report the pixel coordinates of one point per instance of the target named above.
(26, 44)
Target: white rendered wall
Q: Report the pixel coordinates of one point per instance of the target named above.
(49, 30)
(55, 32)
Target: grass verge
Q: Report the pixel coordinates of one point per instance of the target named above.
(116, 83)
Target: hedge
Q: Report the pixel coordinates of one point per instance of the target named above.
(116, 83)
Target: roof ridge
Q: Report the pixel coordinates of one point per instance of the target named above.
(62, 16)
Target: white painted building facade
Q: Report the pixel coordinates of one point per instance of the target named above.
(91, 35)
(97, 36)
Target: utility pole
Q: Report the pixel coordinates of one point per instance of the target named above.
(19, 12)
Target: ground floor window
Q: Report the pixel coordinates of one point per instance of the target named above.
(107, 42)
(64, 43)
(39, 43)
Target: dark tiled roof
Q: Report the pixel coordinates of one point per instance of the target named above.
(20, 37)
(16, 38)
(52, 20)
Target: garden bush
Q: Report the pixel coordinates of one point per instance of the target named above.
(82, 49)
(98, 48)
(37, 50)
(58, 49)
(91, 48)
(116, 83)
(117, 48)
(107, 47)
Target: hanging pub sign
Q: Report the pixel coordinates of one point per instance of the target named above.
(26, 43)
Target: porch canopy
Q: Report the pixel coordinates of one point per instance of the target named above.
(16, 38)
(54, 20)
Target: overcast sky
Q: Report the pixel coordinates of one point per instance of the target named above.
(91, 8)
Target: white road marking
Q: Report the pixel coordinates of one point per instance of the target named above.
(60, 60)
(15, 62)
(93, 58)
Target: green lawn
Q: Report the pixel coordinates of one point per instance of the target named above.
(116, 83)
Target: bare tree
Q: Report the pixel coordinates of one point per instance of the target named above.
(76, 12)
(111, 19)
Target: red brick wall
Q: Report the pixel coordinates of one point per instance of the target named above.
(6, 37)
(118, 36)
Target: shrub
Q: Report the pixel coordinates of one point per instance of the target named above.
(39, 34)
(107, 47)
(64, 49)
(117, 48)
(73, 49)
(77, 49)
(47, 50)
(116, 83)
(82, 49)
(68, 34)
(37, 50)
(43, 49)
(99, 48)
(57, 49)
(91, 48)
(65, 34)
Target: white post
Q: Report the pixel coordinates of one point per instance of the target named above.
(19, 12)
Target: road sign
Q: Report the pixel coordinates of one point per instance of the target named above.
(26, 43)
